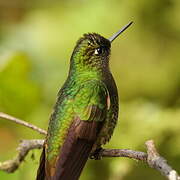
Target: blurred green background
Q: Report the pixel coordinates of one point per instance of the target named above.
(36, 41)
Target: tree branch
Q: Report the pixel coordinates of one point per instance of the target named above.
(152, 157)
(157, 162)
(21, 122)
(136, 155)
(24, 147)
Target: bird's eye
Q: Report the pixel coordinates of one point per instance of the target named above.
(98, 51)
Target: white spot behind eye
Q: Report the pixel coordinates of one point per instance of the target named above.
(96, 51)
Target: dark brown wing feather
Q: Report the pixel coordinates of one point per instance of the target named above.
(76, 149)
(41, 169)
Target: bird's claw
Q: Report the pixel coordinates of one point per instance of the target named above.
(97, 154)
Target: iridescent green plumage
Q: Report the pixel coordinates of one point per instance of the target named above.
(85, 114)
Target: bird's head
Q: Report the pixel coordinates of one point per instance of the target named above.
(92, 51)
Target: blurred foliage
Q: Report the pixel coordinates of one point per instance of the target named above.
(36, 41)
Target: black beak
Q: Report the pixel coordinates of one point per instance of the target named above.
(112, 38)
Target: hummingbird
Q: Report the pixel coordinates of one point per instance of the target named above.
(85, 113)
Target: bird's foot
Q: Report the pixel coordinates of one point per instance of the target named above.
(97, 154)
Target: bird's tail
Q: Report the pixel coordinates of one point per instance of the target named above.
(70, 164)
(73, 154)
(76, 150)
(41, 169)
(70, 167)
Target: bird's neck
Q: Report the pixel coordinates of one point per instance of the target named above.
(85, 75)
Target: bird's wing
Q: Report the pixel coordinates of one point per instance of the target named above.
(90, 109)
